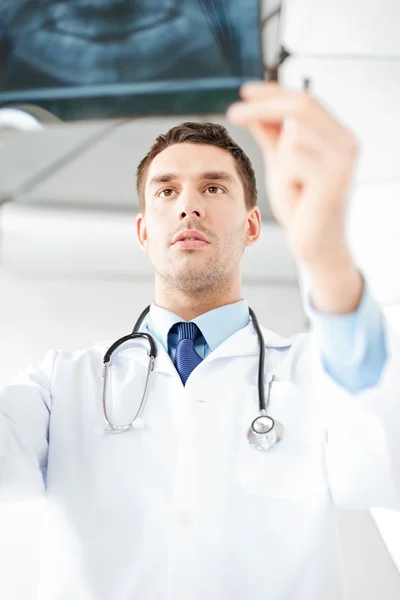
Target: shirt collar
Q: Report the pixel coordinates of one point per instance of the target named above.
(230, 318)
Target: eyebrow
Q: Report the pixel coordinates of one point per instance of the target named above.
(214, 175)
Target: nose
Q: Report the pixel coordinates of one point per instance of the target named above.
(190, 208)
(193, 213)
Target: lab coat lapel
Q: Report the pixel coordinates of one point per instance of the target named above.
(245, 342)
(163, 362)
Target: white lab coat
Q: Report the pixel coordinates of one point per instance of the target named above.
(186, 509)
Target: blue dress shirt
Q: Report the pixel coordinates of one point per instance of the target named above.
(353, 346)
(216, 326)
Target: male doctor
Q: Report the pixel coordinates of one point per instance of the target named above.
(185, 508)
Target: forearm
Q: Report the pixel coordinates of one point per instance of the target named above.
(337, 288)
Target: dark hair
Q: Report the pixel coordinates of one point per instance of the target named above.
(200, 133)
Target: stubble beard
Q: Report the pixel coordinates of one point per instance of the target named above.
(201, 278)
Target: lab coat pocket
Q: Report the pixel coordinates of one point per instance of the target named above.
(295, 466)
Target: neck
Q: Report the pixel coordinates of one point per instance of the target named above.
(188, 306)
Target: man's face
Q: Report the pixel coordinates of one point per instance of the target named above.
(195, 187)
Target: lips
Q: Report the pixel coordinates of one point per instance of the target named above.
(191, 238)
(190, 243)
(190, 235)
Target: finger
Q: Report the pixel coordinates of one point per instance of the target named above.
(302, 137)
(277, 108)
(254, 90)
(266, 135)
(297, 182)
(303, 168)
(299, 138)
(260, 89)
(283, 194)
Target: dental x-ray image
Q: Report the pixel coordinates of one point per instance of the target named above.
(103, 58)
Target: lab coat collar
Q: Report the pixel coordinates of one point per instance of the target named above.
(242, 343)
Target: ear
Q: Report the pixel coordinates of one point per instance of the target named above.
(253, 228)
(141, 231)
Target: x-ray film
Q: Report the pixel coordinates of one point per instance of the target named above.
(82, 59)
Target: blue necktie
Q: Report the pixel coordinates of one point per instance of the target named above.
(186, 358)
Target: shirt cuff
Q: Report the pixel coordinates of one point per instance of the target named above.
(352, 345)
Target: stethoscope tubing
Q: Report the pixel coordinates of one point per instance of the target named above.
(259, 421)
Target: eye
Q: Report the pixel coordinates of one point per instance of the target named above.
(166, 190)
(215, 187)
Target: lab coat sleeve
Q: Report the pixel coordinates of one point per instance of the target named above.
(25, 407)
(352, 346)
(362, 427)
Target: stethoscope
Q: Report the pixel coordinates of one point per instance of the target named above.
(263, 432)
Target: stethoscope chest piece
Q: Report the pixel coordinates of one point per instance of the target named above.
(264, 432)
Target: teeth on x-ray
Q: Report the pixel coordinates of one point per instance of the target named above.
(81, 42)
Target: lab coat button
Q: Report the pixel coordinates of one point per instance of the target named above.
(185, 517)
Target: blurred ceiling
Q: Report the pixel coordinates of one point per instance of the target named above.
(92, 165)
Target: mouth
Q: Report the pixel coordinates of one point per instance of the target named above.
(190, 243)
(189, 239)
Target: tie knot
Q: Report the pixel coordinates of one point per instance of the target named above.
(188, 331)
